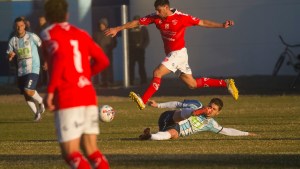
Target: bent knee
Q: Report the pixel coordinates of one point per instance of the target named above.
(29, 92)
(192, 86)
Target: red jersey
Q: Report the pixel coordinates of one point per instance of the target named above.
(73, 57)
(172, 28)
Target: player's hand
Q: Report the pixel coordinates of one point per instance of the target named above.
(152, 103)
(11, 55)
(111, 32)
(251, 134)
(45, 66)
(49, 101)
(228, 23)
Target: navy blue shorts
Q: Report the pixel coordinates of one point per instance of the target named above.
(28, 81)
(166, 121)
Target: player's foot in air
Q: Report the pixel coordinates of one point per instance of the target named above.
(232, 88)
(138, 100)
(40, 109)
(37, 117)
(146, 135)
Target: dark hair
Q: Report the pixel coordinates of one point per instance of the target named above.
(161, 3)
(21, 19)
(217, 102)
(56, 10)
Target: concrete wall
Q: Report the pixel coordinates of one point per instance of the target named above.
(251, 47)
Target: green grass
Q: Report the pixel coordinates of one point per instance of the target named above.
(276, 120)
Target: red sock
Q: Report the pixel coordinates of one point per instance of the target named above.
(99, 161)
(153, 87)
(208, 82)
(77, 161)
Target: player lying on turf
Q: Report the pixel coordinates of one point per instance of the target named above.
(172, 25)
(192, 118)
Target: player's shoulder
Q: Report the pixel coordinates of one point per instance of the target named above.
(195, 104)
(151, 15)
(13, 38)
(179, 13)
(32, 35)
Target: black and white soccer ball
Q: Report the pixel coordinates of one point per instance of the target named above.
(106, 113)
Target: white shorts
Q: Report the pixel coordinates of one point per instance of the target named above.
(71, 123)
(178, 61)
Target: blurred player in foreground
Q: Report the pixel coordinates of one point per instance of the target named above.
(70, 94)
(192, 118)
(24, 45)
(172, 25)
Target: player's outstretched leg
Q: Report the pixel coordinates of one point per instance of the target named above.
(232, 88)
(146, 135)
(138, 100)
(40, 109)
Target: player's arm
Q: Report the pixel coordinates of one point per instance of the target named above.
(36, 40)
(56, 69)
(235, 132)
(10, 53)
(113, 31)
(172, 104)
(212, 24)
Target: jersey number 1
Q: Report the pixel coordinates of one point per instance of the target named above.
(77, 56)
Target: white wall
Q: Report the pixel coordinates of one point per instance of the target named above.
(251, 47)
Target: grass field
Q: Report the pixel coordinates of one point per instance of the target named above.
(276, 120)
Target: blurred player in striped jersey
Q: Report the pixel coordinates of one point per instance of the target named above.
(191, 118)
(73, 57)
(24, 46)
(172, 25)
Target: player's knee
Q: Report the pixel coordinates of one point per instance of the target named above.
(174, 134)
(156, 73)
(29, 92)
(192, 86)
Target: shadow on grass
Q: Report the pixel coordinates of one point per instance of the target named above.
(177, 161)
(201, 139)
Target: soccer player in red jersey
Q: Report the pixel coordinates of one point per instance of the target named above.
(172, 25)
(73, 57)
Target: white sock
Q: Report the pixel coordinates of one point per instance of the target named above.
(162, 135)
(32, 106)
(37, 97)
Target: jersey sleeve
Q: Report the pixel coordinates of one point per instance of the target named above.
(194, 104)
(10, 46)
(190, 20)
(149, 19)
(171, 105)
(56, 68)
(36, 40)
(233, 132)
(215, 127)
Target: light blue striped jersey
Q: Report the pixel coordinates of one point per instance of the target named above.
(195, 124)
(26, 50)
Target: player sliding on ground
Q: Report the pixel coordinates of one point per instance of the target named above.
(192, 118)
(172, 24)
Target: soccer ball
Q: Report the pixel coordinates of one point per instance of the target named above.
(106, 113)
